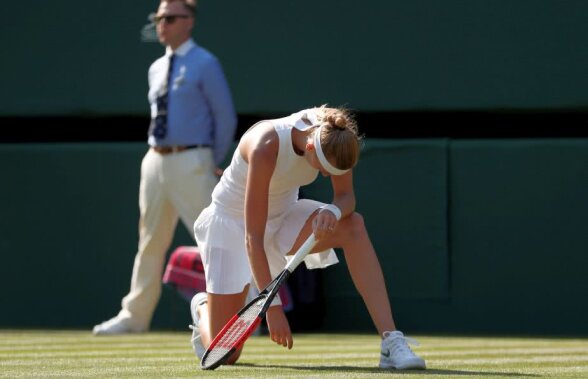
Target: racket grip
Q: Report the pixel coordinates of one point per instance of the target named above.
(301, 253)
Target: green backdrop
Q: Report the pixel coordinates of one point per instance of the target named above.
(67, 58)
(474, 235)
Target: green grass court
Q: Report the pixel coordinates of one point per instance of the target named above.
(77, 354)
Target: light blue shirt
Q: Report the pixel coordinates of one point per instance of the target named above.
(200, 108)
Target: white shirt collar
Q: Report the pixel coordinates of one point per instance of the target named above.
(182, 49)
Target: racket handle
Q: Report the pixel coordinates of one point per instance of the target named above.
(301, 253)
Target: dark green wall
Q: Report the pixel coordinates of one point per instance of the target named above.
(68, 58)
(495, 230)
(473, 235)
(69, 230)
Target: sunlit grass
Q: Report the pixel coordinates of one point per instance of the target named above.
(78, 354)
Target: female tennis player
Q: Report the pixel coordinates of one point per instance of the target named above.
(256, 218)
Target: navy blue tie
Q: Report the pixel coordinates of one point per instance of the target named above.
(158, 127)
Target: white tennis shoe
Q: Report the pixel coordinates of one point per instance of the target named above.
(198, 299)
(116, 325)
(396, 353)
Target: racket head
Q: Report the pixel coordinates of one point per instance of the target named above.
(234, 333)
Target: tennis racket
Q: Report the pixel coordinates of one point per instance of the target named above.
(239, 328)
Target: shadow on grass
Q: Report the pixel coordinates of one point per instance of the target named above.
(375, 370)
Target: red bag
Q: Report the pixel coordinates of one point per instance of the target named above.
(185, 271)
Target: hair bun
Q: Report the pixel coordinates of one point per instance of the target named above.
(337, 121)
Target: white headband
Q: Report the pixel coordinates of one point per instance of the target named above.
(321, 156)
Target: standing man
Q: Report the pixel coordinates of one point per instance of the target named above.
(193, 124)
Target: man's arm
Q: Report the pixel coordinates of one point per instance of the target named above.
(219, 97)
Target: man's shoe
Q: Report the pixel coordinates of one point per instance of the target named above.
(198, 299)
(396, 353)
(114, 326)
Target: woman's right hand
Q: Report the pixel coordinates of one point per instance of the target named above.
(279, 328)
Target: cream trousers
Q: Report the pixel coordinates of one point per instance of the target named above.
(173, 186)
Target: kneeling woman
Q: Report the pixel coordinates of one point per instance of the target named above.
(256, 218)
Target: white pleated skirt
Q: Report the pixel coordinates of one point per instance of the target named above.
(221, 240)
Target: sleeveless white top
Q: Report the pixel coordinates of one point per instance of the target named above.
(291, 172)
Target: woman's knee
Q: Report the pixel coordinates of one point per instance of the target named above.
(234, 357)
(355, 225)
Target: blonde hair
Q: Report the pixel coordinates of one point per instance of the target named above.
(340, 139)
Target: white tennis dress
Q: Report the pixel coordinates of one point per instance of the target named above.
(220, 228)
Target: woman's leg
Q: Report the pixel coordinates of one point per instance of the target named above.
(366, 271)
(216, 312)
(362, 261)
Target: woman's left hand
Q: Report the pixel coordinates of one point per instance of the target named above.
(324, 224)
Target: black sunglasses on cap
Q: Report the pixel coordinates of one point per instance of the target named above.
(169, 19)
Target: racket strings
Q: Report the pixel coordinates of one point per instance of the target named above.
(233, 333)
